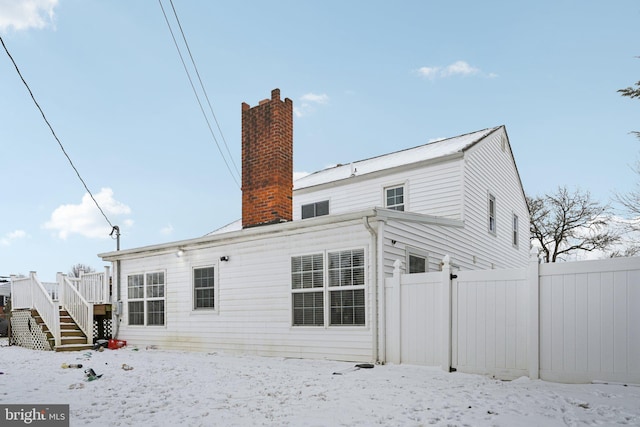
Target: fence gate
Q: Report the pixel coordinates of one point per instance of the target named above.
(489, 321)
(414, 318)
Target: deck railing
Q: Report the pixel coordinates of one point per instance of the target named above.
(94, 287)
(76, 305)
(75, 295)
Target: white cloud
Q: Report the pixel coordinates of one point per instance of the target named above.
(11, 236)
(458, 68)
(26, 14)
(315, 98)
(429, 72)
(85, 218)
(308, 103)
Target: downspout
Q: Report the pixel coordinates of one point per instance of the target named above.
(118, 305)
(379, 316)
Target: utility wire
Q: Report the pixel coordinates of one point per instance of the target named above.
(203, 88)
(54, 134)
(195, 92)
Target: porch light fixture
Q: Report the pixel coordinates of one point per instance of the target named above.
(224, 258)
(180, 252)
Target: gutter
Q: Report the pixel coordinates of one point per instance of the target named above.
(378, 316)
(247, 234)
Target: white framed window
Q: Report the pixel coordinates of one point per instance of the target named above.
(515, 235)
(346, 272)
(312, 210)
(337, 277)
(204, 288)
(417, 260)
(492, 214)
(307, 285)
(394, 197)
(146, 299)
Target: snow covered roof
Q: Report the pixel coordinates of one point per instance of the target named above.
(421, 153)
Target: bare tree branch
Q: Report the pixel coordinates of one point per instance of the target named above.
(567, 222)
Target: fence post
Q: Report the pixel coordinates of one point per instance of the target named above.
(533, 281)
(32, 284)
(61, 289)
(106, 298)
(394, 316)
(446, 314)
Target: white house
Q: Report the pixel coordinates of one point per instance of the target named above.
(304, 275)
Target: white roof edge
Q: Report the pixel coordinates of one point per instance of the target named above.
(282, 228)
(430, 151)
(239, 235)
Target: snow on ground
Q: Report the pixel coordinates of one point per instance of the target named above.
(169, 388)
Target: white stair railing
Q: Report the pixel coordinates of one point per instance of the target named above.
(30, 293)
(80, 310)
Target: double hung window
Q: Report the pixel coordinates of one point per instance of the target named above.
(204, 288)
(146, 299)
(328, 289)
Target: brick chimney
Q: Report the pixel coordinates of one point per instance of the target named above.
(267, 161)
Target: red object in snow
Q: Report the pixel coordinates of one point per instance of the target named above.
(116, 344)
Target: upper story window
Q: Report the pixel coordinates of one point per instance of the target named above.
(315, 209)
(515, 230)
(204, 288)
(146, 298)
(394, 198)
(492, 214)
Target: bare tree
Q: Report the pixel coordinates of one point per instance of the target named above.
(76, 269)
(565, 223)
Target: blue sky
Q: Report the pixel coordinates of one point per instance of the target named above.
(365, 77)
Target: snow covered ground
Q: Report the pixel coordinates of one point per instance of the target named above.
(169, 388)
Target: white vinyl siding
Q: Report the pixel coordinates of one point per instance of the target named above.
(254, 297)
(435, 189)
(488, 167)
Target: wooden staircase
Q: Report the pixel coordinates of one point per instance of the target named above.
(72, 338)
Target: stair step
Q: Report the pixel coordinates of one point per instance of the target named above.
(72, 333)
(74, 347)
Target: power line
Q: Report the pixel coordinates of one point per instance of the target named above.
(53, 132)
(195, 92)
(202, 86)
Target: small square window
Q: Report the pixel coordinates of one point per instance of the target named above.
(394, 198)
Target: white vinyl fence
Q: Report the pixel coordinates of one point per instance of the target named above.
(566, 322)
